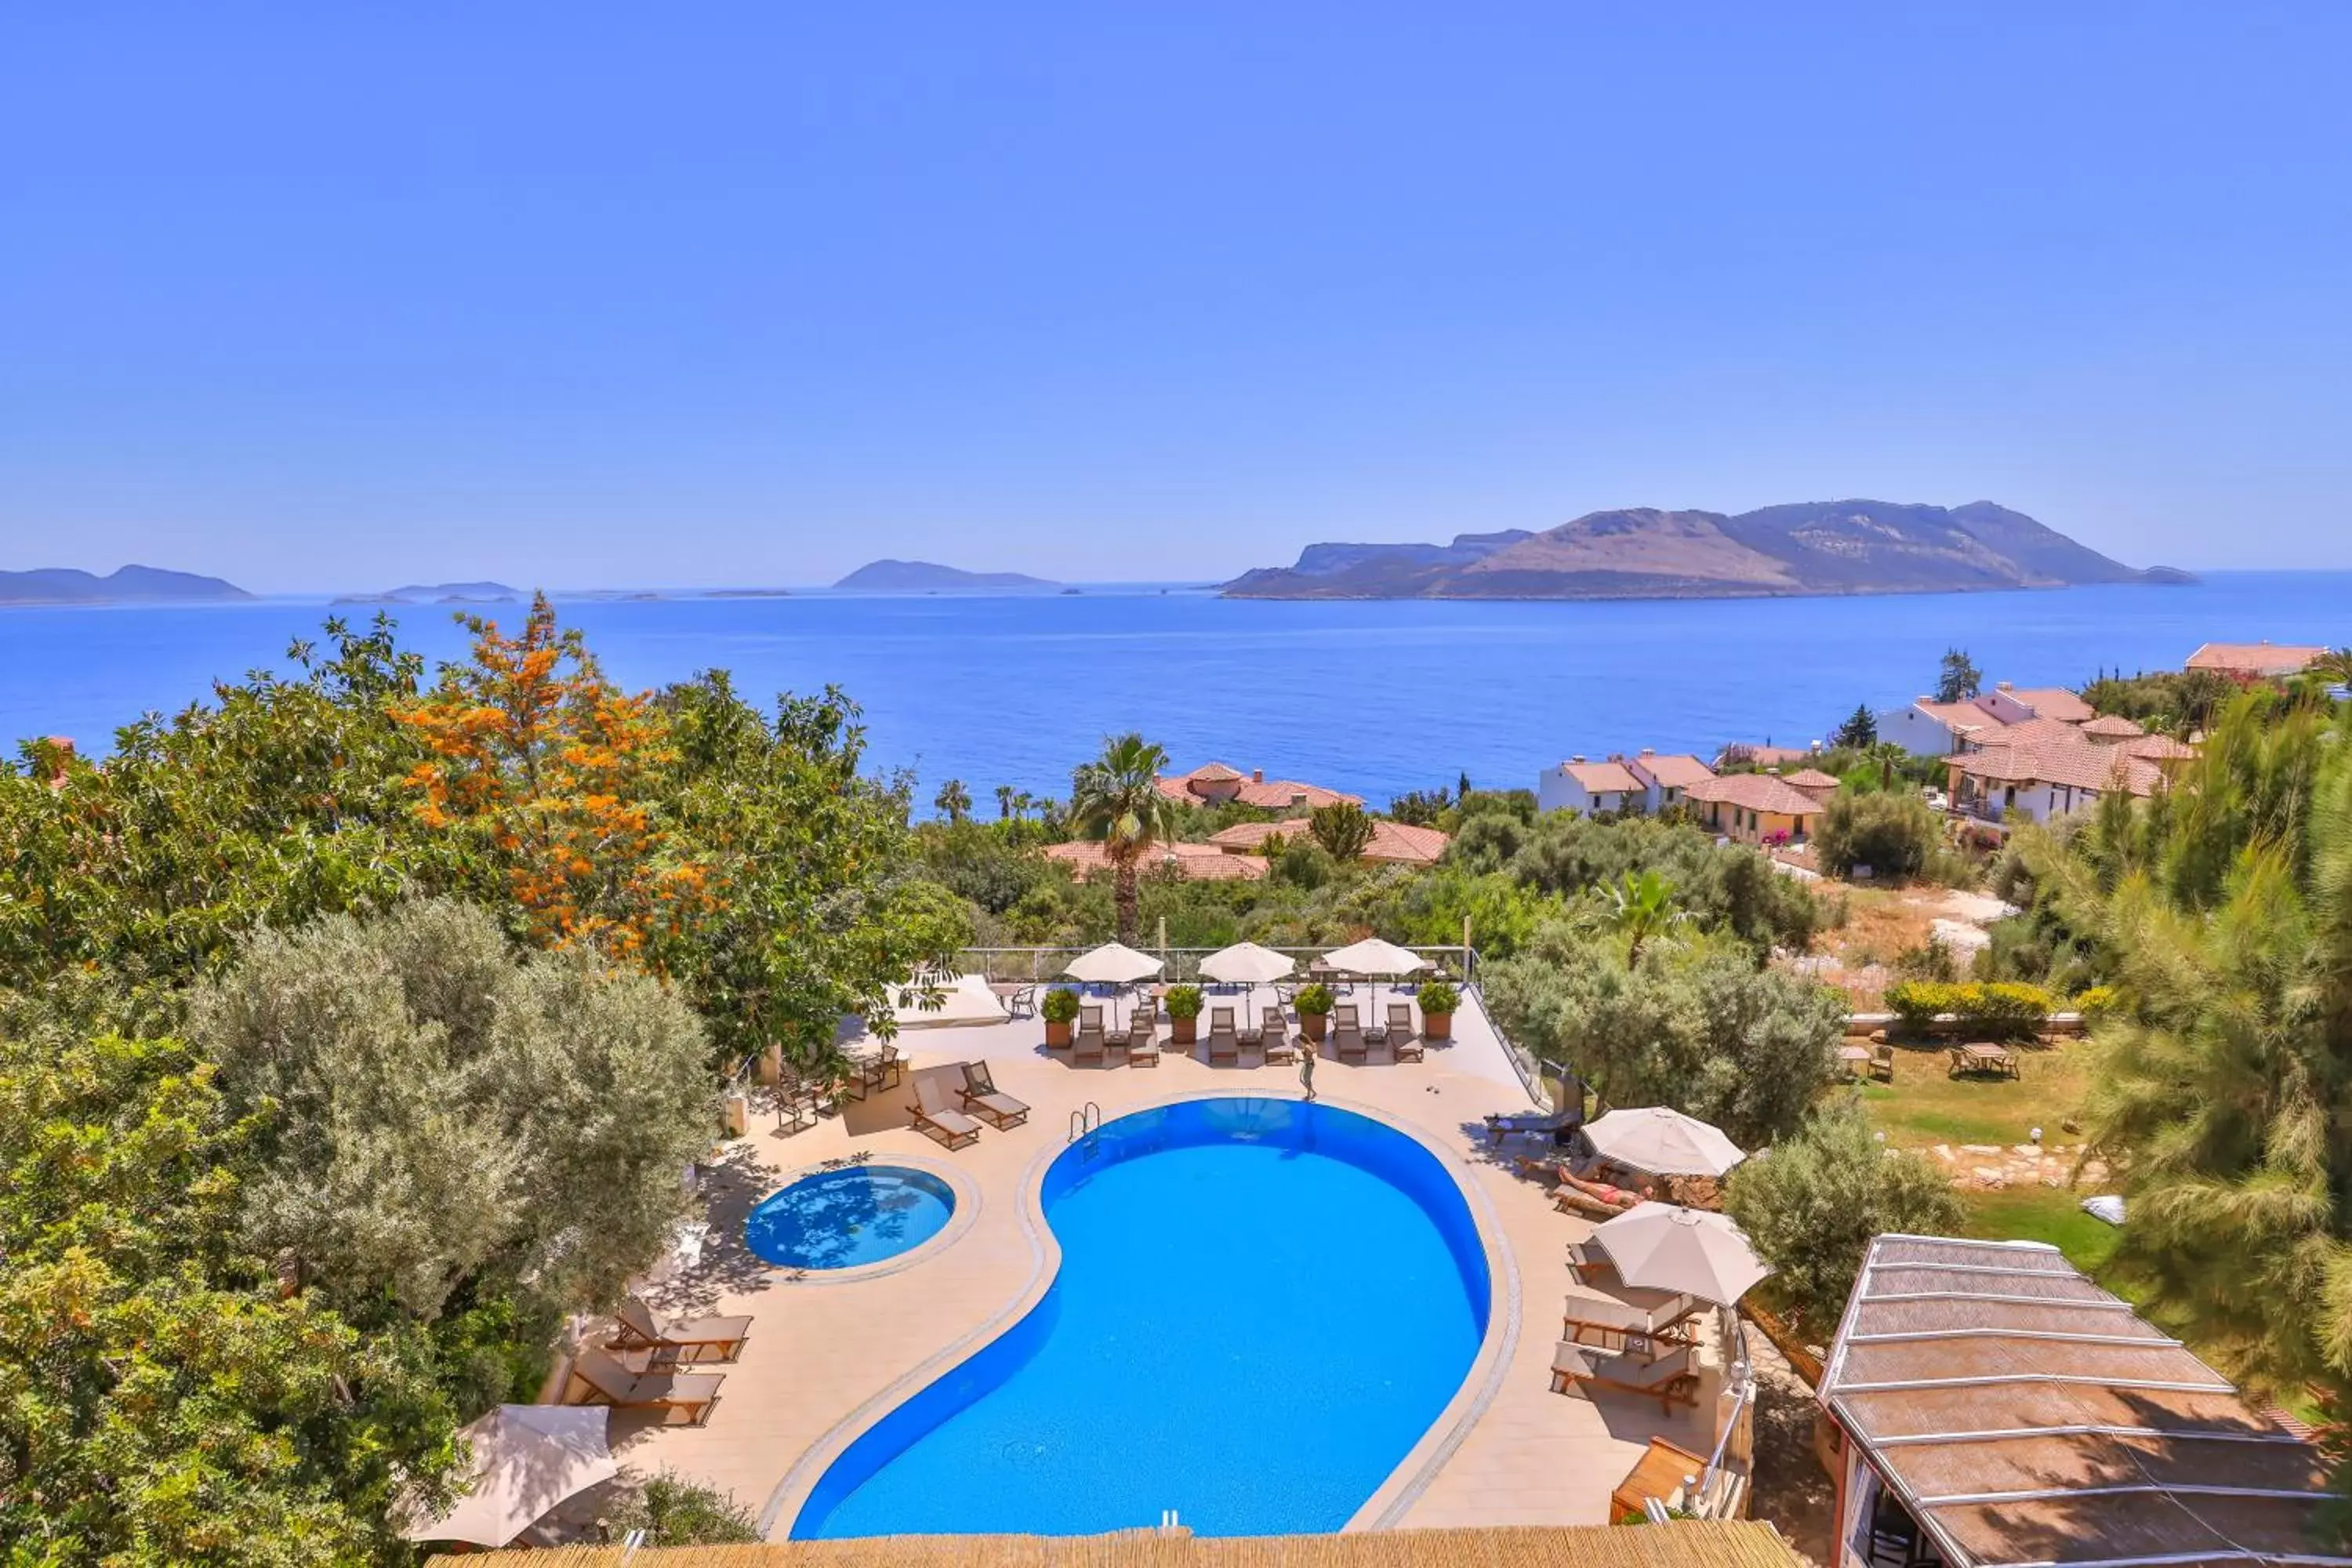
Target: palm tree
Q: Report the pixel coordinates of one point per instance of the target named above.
(1889, 756)
(1116, 800)
(953, 801)
(1005, 796)
(1641, 907)
(2335, 665)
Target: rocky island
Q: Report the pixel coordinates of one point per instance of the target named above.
(125, 586)
(1811, 547)
(927, 577)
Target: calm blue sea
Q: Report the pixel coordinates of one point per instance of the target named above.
(1373, 697)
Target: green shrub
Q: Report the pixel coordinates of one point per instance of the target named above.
(1438, 996)
(1918, 1003)
(675, 1511)
(2098, 1004)
(1060, 1005)
(2000, 1009)
(1892, 834)
(1183, 1001)
(1313, 1000)
(2004, 1008)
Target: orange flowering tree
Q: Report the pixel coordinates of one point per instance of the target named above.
(556, 777)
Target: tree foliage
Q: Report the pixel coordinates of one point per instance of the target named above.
(1895, 834)
(1811, 1204)
(160, 1401)
(1115, 800)
(1860, 730)
(1341, 827)
(1957, 678)
(433, 1089)
(1698, 1025)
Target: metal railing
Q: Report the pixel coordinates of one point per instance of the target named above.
(1729, 1466)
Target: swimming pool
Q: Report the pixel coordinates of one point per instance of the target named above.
(1262, 1306)
(849, 1217)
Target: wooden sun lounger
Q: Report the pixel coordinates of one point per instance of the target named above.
(1347, 1036)
(1143, 1043)
(1402, 1041)
(1669, 1379)
(936, 1117)
(1224, 1045)
(610, 1383)
(1089, 1045)
(678, 1339)
(983, 1099)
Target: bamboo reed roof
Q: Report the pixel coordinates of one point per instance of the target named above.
(1681, 1544)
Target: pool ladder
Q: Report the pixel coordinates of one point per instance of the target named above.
(1087, 1119)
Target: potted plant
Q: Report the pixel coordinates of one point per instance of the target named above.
(1183, 1011)
(1314, 1004)
(1059, 1008)
(1438, 998)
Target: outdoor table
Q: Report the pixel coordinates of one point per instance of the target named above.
(1996, 1058)
(1854, 1057)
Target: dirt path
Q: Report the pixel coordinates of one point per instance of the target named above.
(1789, 1489)
(1882, 923)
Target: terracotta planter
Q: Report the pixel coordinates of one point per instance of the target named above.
(1180, 1031)
(1056, 1034)
(1437, 1025)
(1311, 1026)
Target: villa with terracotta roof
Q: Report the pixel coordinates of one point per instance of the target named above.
(1214, 784)
(1589, 788)
(1927, 728)
(2041, 781)
(1767, 756)
(2266, 659)
(1664, 779)
(1193, 862)
(2014, 705)
(1813, 782)
(1755, 807)
(1392, 842)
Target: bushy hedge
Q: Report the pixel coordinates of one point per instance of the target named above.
(2000, 1008)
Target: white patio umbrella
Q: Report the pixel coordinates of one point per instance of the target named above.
(1375, 960)
(1112, 964)
(527, 1459)
(1663, 1142)
(1659, 1247)
(1245, 964)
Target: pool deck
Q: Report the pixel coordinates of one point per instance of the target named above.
(828, 1355)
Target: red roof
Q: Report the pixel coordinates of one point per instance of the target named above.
(1810, 778)
(2084, 764)
(1391, 841)
(1676, 771)
(1267, 795)
(2254, 657)
(2157, 749)
(2035, 732)
(1757, 791)
(2115, 725)
(2052, 702)
(1960, 716)
(1601, 778)
(1193, 862)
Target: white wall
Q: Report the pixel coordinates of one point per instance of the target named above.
(1921, 734)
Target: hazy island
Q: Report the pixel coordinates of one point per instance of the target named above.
(124, 585)
(438, 593)
(927, 577)
(1810, 547)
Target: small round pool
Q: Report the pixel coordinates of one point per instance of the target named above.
(846, 1218)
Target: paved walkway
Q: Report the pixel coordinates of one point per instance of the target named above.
(827, 1356)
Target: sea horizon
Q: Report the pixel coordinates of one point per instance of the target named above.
(1375, 697)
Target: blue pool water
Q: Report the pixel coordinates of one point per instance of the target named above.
(1262, 1306)
(840, 1219)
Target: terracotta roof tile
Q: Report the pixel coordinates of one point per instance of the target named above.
(1810, 778)
(2114, 724)
(1193, 862)
(1601, 778)
(1391, 841)
(2078, 765)
(1757, 791)
(2254, 657)
(1678, 771)
(2054, 702)
(2031, 732)
(1960, 716)
(2157, 749)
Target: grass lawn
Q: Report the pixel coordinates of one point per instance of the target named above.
(1925, 1106)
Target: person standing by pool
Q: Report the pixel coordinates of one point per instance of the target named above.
(1307, 1067)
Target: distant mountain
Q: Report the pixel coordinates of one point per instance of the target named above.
(438, 593)
(126, 585)
(1813, 547)
(925, 578)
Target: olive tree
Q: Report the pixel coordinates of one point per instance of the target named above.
(450, 1111)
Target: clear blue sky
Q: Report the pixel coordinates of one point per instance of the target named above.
(587, 295)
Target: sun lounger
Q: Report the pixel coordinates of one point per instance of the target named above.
(1088, 1045)
(1224, 1045)
(1090, 1015)
(1668, 1379)
(679, 1339)
(1274, 1034)
(1144, 1042)
(1401, 1039)
(1555, 1124)
(607, 1382)
(1622, 1327)
(983, 1099)
(943, 1121)
(1347, 1036)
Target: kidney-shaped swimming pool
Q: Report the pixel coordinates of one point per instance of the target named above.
(1261, 1307)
